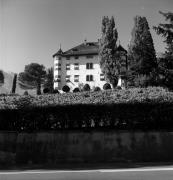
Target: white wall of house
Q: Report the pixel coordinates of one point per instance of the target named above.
(82, 72)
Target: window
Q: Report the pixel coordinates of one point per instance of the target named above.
(57, 78)
(76, 66)
(58, 66)
(89, 65)
(67, 66)
(76, 57)
(68, 58)
(58, 58)
(89, 56)
(76, 78)
(102, 77)
(67, 78)
(89, 78)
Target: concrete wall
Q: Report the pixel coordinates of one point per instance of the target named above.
(77, 146)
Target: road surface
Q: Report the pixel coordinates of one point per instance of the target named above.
(107, 174)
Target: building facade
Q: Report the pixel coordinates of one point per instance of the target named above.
(78, 66)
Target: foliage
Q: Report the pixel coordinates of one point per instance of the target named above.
(133, 95)
(76, 90)
(106, 86)
(166, 30)
(14, 84)
(46, 90)
(49, 80)
(26, 93)
(32, 77)
(1, 78)
(107, 51)
(165, 63)
(55, 91)
(138, 108)
(97, 89)
(86, 87)
(66, 89)
(141, 53)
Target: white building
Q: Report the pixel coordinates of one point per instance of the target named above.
(78, 66)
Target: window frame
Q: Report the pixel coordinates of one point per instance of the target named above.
(89, 78)
(67, 67)
(57, 78)
(57, 66)
(67, 78)
(102, 77)
(76, 78)
(89, 56)
(76, 66)
(89, 66)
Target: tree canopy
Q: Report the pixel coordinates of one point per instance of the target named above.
(32, 77)
(141, 52)
(165, 63)
(107, 50)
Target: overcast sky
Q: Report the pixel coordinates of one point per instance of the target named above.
(32, 30)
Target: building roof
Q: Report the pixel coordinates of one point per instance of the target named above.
(86, 48)
(120, 48)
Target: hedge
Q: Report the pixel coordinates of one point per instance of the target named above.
(147, 109)
(131, 116)
(136, 95)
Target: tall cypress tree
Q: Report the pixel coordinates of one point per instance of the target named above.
(1, 78)
(49, 80)
(165, 64)
(14, 84)
(141, 52)
(107, 50)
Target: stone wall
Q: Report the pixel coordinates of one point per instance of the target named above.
(78, 146)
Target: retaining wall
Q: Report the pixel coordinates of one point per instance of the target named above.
(79, 146)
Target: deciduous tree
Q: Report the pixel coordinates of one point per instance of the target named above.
(32, 77)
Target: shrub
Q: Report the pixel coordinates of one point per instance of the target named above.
(97, 89)
(86, 87)
(106, 86)
(46, 90)
(66, 89)
(55, 91)
(26, 93)
(76, 90)
(119, 87)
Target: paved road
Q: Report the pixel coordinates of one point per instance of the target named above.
(122, 174)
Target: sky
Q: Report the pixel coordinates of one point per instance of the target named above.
(32, 30)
